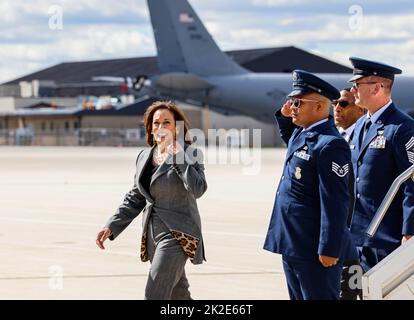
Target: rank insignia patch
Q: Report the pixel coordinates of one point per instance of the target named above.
(340, 171)
(410, 150)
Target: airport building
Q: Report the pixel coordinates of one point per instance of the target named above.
(66, 105)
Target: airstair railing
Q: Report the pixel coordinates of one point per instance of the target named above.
(389, 197)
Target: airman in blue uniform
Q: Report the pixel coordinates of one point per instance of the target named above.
(308, 223)
(382, 148)
(346, 114)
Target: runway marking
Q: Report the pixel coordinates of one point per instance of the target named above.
(141, 275)
(42, 221)
(221, 268)
(61, 182)
(224, 233)
(133, 254)
(72, 223)
(51, 246)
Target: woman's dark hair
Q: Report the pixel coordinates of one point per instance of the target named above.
(178, 116)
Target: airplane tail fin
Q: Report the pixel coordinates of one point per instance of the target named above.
(184, 44)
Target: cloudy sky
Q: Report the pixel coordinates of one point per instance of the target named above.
(31, 38)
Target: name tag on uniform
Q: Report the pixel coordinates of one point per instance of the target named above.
(302, 155)
(378, 143)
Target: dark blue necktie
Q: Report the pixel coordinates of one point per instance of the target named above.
(367, 125)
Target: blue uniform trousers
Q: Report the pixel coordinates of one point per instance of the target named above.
(348, 278)
(309, 280)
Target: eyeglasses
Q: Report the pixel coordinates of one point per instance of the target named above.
(341, 103)
(297, 102)
(356, 85)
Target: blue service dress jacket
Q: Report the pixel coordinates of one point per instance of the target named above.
(387, 151)
(311, 205)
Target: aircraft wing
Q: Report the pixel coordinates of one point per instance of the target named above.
(109, 79)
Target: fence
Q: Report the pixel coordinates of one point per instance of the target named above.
(81, 137)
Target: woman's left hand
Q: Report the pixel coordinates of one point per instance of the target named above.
(174, 148)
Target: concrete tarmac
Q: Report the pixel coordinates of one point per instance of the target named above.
(54, 200)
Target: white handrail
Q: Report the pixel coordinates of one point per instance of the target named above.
(389, 197)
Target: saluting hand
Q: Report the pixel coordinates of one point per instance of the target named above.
(328, 261)
(286, 111)
(104, 234)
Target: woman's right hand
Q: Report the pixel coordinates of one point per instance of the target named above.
(104, 234)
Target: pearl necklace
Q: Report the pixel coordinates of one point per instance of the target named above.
(159, 157)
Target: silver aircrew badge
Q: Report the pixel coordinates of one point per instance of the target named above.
(295, 76)
(298, 173)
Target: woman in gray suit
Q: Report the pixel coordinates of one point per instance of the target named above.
(169, 178)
